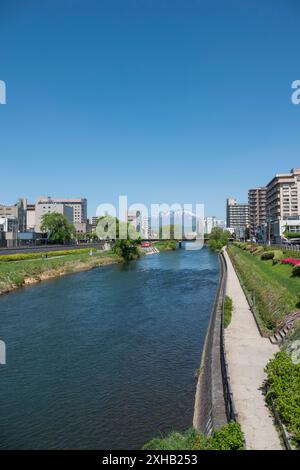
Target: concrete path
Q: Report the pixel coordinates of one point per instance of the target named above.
(247, 355)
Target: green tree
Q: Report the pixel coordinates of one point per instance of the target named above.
(58, 228)
(111, 228)
(127, 249)
(218, 238)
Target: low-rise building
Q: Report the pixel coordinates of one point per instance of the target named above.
(17, 211)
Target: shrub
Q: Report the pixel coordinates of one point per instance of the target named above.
(284, 391)
(278, 255)
(228, 437)
(267, 255)
(296, 270)
(291, 261)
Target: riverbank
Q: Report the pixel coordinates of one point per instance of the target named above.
(276, 289)
(15, 274)
(247, 354)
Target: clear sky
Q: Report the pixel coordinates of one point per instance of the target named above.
(163, 100)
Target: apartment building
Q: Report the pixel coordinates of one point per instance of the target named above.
(237, 217)
(257, 210)
(283, 204)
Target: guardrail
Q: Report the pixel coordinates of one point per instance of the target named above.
(228, 396)
(214, 404)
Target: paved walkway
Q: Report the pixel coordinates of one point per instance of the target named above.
(247, 354)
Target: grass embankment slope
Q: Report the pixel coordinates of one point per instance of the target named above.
(20, 269)
(165, 245)
(276, 290)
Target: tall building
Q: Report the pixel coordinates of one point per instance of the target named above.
(257, 210)
(283, 204)
(237, 217)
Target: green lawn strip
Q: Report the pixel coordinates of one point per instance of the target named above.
(227, 311)
(276, 292)
(14, 273)
(43, 254)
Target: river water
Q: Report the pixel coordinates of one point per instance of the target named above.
(105, 359)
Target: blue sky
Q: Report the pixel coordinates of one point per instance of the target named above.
(163, 100)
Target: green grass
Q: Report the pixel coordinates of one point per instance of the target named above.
(228, 437)
(276, 291)
(163, 245)
(43, 254)
(227, 311)
(13, 273)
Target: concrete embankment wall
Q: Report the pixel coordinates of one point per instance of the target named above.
(213, 403)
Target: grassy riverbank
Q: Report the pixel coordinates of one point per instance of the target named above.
(165, 245)
(15, 273)
(276, 290)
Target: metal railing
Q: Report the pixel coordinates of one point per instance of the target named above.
(228, 396)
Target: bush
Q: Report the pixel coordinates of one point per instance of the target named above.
(278, 255)
(228, 437)
(267, 255)
(296, 270)
(284, 391)
(227, 311)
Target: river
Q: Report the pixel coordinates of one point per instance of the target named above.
(106, 358)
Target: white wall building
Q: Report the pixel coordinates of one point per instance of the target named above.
(47, 207)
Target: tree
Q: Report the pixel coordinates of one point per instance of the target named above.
(218, 238)
(111, 228)
(58, 228)
(127, 249)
